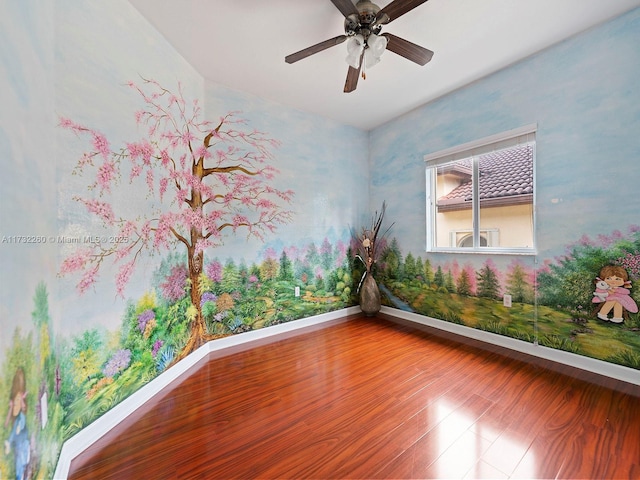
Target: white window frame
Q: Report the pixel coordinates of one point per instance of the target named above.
(508, 139)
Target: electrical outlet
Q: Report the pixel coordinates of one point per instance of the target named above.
(506, 300)
(297, 291)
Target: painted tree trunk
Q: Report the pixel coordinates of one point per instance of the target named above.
(198, 332)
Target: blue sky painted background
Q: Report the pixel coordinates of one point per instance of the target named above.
(584, 96)
(27, 196)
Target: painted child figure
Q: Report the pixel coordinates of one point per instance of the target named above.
(19, 437)
(618, 298)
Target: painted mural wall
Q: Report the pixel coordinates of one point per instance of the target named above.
(145, 211)
(583, 95)
(105, 285)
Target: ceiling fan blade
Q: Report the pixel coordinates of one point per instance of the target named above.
(408, 50)
(396, 9)
(346, 7)
(352, 80)
(318, 47)
(352, 76)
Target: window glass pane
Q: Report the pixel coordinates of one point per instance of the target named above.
(505, 188)
(453, 209)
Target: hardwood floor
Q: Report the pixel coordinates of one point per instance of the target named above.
(373, 398)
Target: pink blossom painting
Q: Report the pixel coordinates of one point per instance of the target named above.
(209, 180)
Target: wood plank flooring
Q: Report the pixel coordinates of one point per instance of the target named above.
(377, 399)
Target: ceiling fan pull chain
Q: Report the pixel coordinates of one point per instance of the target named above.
(364, 66)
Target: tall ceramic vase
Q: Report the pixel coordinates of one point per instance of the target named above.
(369, 296)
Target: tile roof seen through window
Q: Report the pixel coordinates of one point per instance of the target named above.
(504, 174)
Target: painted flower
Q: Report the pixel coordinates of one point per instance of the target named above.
(214, 271)
(151, 324)
(157, 345)
(118, 362)
(96, 388)
(145, 317)
(208, 297)
(631, 263)
(220, 316)
(173, 288)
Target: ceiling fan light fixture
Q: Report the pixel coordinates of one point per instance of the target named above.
(355, 45)
(376, 45)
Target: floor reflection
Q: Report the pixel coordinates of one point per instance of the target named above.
(472, 444)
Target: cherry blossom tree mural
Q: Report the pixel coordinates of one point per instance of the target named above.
(207, 180)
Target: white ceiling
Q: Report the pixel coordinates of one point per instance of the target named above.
(241, 44)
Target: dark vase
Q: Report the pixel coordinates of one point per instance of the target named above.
(369, 296)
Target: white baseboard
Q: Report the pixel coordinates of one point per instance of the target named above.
(593, 365)
(96, 430)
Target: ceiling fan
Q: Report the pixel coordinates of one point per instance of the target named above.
(362, 26)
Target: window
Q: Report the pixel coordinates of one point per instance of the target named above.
(480, 195)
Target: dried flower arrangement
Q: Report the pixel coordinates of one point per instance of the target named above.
(367, 242)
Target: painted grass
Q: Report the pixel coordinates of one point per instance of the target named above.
(576, 332)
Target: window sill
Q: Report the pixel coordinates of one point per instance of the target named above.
(486, 251)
